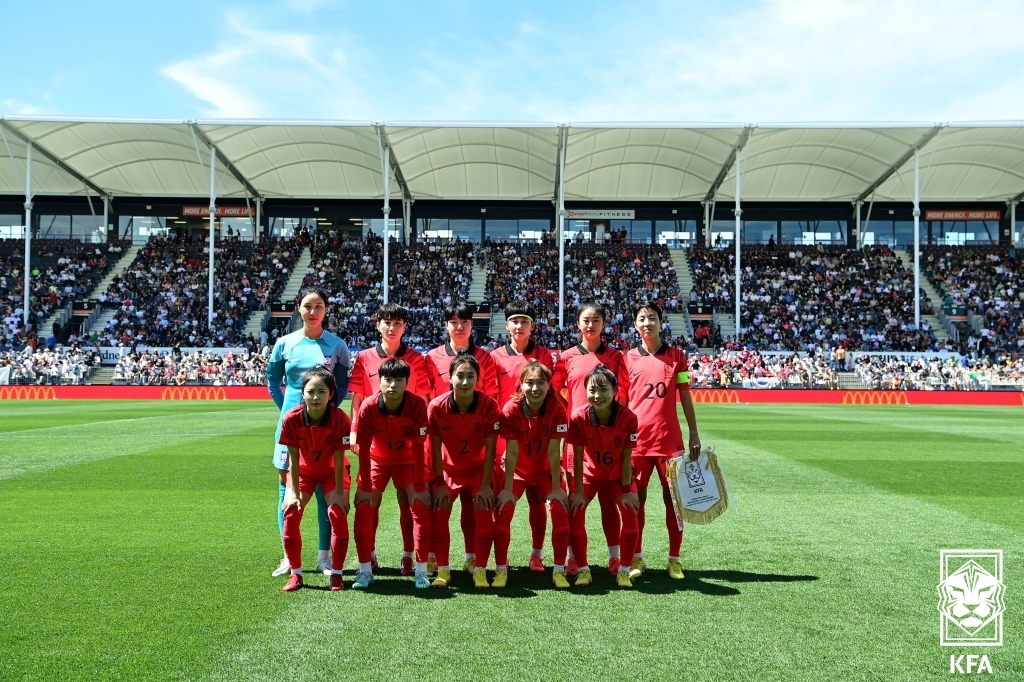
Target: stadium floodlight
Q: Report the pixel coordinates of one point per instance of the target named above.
(27, 297)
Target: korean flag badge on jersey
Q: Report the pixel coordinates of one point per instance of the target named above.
(423, 430)
(329, 363)
(562, 428)
(497, 426)
(346, 440)
(632, 437)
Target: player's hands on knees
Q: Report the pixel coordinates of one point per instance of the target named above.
(291, 500)
(442, 499)
(561, 497)
(485, 499)
(505, 497)
(694, 447)
(414, 497)
(630, 501)
(577, 501)
(364, 497)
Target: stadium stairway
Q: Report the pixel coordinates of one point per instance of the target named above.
(101, 376)
(126, 258)
(498, 324)
(680, 322)
(478, 288)
(727, 323)
(294, 284)
(929, 291)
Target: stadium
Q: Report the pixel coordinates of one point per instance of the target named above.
(847, 298)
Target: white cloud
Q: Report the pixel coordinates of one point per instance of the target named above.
(259, 73)
(798, 60)
(23, 108)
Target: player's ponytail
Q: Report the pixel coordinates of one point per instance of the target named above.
(530, 370)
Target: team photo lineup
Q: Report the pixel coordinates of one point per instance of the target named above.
(483, 428)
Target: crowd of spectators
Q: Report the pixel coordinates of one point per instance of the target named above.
(988, 281)
(71, 365)
(952, 373)
(795, 298)
(751, 369)
(161, 297)
(425, 277)
(62, 270)
(171, 368)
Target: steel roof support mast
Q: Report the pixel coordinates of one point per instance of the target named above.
(561, 230)
(27, 299)
(387, 210)
(739, 226)
(917, 239)
(213, 216)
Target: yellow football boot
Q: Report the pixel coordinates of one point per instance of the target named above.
(443, 579)
(469, 566)
(480, 579)
(583, 578)
(675, 569)
(622, 580)
(500, 578)
(560, 581)
(637, 569)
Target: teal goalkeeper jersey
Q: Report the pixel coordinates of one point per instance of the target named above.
(292, 356)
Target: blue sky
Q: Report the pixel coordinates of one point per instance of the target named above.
(763, 61)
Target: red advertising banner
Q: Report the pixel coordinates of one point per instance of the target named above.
(963, 215)
(222, 211)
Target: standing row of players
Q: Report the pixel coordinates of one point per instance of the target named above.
(491, 433)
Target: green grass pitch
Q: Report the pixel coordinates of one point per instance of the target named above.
(137, 541)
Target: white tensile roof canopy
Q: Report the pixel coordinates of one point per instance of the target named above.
(962, 162)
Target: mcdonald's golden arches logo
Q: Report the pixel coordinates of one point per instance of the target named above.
(714, 395)
(194, 393)
(875, 398)
(27, 393)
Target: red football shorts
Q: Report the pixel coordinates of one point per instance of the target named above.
(644, 468)
(541, 483)
(459, 481)
(403, 475)
(308, 484)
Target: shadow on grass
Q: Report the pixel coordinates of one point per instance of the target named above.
(656, 582)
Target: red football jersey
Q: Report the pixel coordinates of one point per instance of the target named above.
(316, 443)
(573, 366)
(364, 379)
(603, 445)
(654, 382)
(440, 361)
(509, 365)
(391, 439)
(533, 432)
(463, 434)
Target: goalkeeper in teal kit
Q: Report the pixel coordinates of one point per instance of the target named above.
(293, 355)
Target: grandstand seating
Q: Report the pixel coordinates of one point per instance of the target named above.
(196, 368)
(62, 269)
(795, 298)
(71, 365)
(986, 279)
(161, 297)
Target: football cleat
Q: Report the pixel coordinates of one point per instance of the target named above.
(613, 565)
(294, 583)
(282, 568)
(323, 564)
(469, 566)
(675, 569)
(480, 579)
(500, 578)
(571, 567)
(638, 568)
(363, 581)
(407, 568)
(443, 579)
(422, 581)
(622, 580)
(536, 564)
(558, 578)
(432, 564)
(583, 578)
(336, 583)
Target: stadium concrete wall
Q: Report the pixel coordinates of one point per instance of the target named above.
(700, 395)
